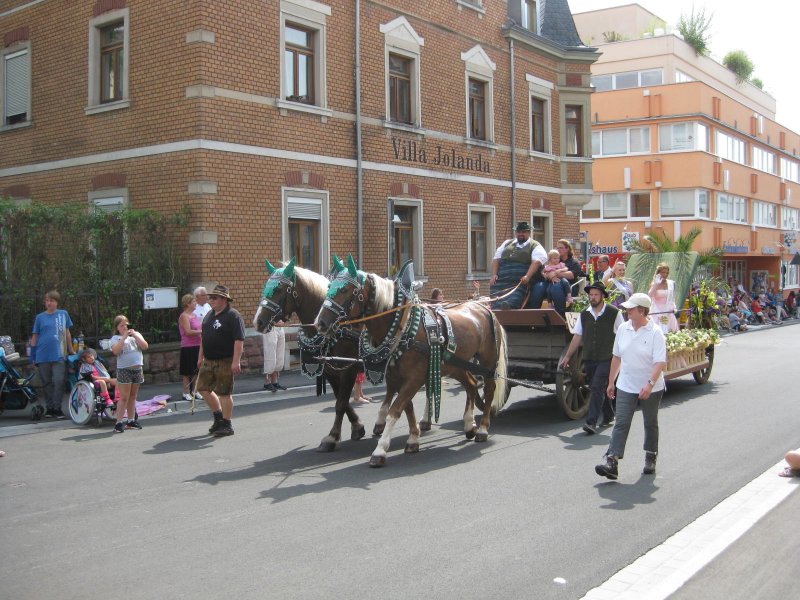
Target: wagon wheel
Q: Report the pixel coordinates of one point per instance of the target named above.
(572, 392)
(479, 400)
(702, 375)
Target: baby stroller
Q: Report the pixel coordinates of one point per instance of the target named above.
(85, 401)
(15, 390)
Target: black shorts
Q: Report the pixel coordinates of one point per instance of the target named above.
(188, 363)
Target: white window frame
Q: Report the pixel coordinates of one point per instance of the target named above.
(95, 25)
(419, 258)
(613, 78)
(761, 213)
(14, 51)
(583, 101)
(401, 39)
(306, 196)
(699, 195)
(790, 218)
(547, 243)
(739, 206)
(790, 170)
(600, 201)
(541, 89)
(600, 133)
(763, 160)
(312, 16)
(697, 128)
(730, 147)
(682, 77)
(478, 66)
(526, 18)
(491, 244)
(792, 278)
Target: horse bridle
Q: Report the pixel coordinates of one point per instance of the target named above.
(342, 311)
(273, 309)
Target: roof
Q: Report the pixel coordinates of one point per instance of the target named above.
(557, 24)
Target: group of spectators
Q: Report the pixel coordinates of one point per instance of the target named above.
(763, 306)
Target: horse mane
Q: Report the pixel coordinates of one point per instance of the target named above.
(316, 285)
(384, 294)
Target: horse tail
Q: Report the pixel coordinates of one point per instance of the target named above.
(501, 370)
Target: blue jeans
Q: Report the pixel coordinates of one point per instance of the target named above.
(626, 406)
(600, 409)
(52, 375)
(555, 292)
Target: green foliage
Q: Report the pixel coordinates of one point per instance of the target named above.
(655, 23)
(612, 36)
(695, 30)
(682, 266)
(757, 82)
(738, 62)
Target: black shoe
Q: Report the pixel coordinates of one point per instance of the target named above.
(649, 463)
(607, 423)
(133, 425)
(590, 429)
(119, 427)
(278, 386)
(270, 387)
(608, 469)
(225, 429)
(218, 420)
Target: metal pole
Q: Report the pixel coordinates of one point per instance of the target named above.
(359, 167)
(513, 141)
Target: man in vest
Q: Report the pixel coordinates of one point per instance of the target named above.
(515, 262)
(596, 329)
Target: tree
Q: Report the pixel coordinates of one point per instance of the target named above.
(695, 30)
(738, 62)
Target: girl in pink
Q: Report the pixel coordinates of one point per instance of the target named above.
(662, 295)
(102, 379)
(557, 268)
(189, 326)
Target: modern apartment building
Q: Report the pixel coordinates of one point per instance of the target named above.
(386, 129)
(679, 143)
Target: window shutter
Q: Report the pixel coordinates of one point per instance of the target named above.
(109, 205)
(17, 77)
(304, 209)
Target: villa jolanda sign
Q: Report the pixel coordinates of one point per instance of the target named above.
(411, 151)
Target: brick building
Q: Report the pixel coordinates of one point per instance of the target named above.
(304, 128)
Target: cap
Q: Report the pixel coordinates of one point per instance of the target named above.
(638, 299)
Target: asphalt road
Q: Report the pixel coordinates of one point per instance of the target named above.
(170, 512)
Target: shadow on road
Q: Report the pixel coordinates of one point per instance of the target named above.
(626, 496)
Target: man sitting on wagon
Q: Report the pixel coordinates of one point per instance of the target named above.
(515, 262)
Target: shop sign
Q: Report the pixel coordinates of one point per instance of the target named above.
(767, 250)
(411, 151)
(598, 249)
(735, 249)
(628, 240)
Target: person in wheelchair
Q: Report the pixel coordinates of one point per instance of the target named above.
(92, 368)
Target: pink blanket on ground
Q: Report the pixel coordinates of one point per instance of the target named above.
(146, 407)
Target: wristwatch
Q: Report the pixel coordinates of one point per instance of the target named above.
(651, 382)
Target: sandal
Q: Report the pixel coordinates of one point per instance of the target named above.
(789, 472)
(359, 401)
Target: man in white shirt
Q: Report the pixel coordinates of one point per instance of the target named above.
(201, 295)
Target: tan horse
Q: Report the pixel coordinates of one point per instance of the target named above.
(480, 339)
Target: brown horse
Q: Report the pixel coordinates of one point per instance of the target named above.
(291, 290)
(479, 338)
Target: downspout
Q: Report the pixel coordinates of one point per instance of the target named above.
(359, 166)
(513, 141)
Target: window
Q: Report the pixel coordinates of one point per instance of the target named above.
(477, 109)
(573, 119)
(628, 80)
(618, 205)
(109, 62)
(684, 203)
(653, 77)
(681, 77)
(299, 64)
(730, 148)
(402, 51)
(765, 213)
(305, 228)
(792, 278)
(763, 160)
(603, 83)
(682, 136)
(542, 228)
(303, 45)
(790, 218)
(399, 89)
(537, 124)
(790, 170)
(732, 269)
(540, 91)
(405, 234)
(15, 87)
(530, 15)
(731, 208)
(606, 142)
(481, 238)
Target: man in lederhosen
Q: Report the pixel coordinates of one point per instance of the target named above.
(516, 262)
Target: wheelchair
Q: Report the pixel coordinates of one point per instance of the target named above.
(85, 402)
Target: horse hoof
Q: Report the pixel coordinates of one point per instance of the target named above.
(424, 425)
(412, 448)
(377, 461)
(357, 434)
(481, 437)
(378, 429)
(326, 447)
(471, 433)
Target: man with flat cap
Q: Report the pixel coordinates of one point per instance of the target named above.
(595, 330)
(516, 261)
(222, 342)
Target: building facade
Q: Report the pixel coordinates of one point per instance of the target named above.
(386, 129)
(679, 143)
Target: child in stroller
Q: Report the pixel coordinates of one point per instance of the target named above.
(15, 391)
(94, 370)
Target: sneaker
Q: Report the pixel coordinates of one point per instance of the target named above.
(278, 386)
(608, 469)
(225, 429)
(133, 425)
(218, 420)
(119, 427)
(607, 423)
(269, 387)
(197, 396)
(649, 463)
(186, 397)
(590, 428)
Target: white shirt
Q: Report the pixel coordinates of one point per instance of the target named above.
(537, 253)
(617, 322)
(639, 351)
(201, 310)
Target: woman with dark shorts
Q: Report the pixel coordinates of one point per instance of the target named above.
(127, 346)
(189, 326)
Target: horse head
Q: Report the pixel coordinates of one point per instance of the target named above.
(346, 298)
(279, 297)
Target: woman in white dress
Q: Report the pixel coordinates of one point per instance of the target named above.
(662, 294)
(615, 282)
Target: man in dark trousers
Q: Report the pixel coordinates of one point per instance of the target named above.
(596, 330)
(516, 262)
(220, 356)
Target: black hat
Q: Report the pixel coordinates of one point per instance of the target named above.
(221, 291)
(597, 285)
(523, 226)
